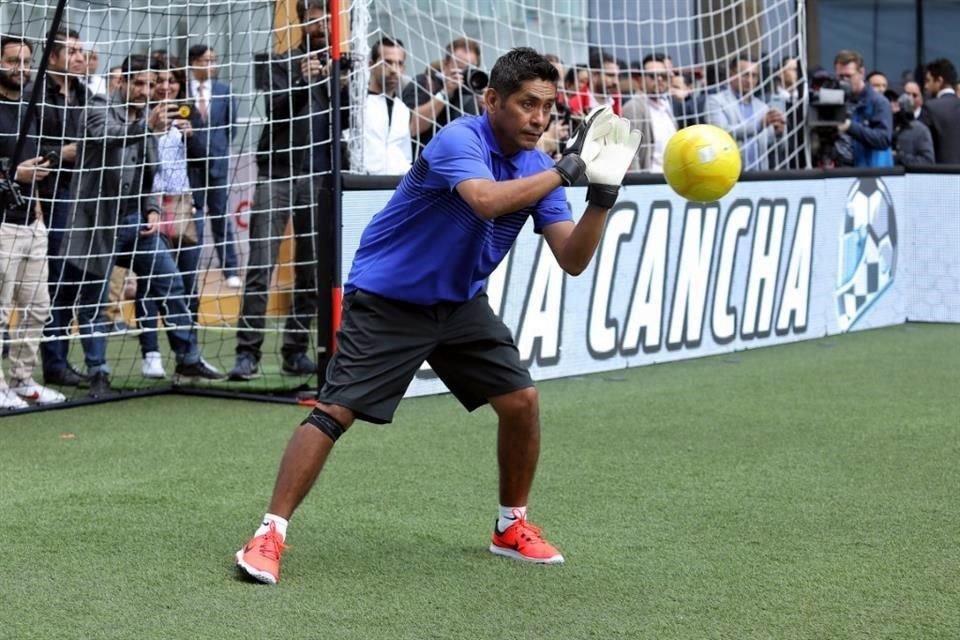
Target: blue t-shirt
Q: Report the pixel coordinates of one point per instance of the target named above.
(427, 245)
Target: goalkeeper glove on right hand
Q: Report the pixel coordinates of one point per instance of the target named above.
(606, 169)
(584, 144)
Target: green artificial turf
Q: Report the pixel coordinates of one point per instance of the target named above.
(804, 491)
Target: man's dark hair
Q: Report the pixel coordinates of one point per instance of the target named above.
(461, 43)
(517, 66)
(598, 59)
(654, 57)
(384, 41)
(875, 73)
(197, 51)
(942, 68)
(133, 64)
(7, 40)
(733, 67)
(60, 38)
(305, 5)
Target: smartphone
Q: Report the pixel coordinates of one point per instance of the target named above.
(181, 110)
(52, 159)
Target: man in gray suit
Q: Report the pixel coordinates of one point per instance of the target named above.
(116, 220)
(756, 128)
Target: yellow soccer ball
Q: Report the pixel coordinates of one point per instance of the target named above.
(701, 163)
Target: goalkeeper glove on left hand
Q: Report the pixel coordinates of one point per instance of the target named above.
(605, 170)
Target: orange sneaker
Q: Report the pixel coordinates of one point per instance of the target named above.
(260, 558)
(524, 541)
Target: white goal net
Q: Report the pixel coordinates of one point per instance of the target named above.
(169, 234)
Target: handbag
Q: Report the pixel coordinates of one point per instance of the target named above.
(176, 219)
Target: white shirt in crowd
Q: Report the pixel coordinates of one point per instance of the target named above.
(664, 126)
(387, 147)
(97, 85)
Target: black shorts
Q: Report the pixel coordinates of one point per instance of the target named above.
(382, 343)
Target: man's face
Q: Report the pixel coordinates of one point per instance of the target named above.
(656, 78)
(205, 66)
(70, 59)
(788, 74)
(462, 58)
(316, 28)
(745, 77)
(912, 89)
(852, 74)
(388, 70)
(519, 120)
(879, 83)
(138, 88)
(15, 66)
(932, 85)
(606, 81)
(93, 61)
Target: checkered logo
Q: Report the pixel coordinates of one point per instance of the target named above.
(868, 250)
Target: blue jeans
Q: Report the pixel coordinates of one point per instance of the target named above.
(149, 258)
(210, 198)
(188, 264)
(62, 294)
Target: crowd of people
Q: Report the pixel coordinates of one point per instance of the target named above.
(768, 117)
(110, 189)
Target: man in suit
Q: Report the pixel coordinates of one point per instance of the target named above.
(213, 118)
(756, 128)
(941, 113)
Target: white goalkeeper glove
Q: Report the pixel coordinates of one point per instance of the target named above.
(584, 145)
(608, 165)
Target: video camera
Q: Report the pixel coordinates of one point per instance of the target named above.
(475, 78)
(831, 103)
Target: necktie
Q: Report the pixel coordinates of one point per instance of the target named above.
(203, 101)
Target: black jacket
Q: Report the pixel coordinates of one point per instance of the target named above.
(12, 113)
(60, 124)
(421, 91)
(298, 119)
(942, 117)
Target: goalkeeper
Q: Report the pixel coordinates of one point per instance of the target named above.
(415, 291)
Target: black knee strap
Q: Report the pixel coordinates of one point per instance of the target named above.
(326, 423)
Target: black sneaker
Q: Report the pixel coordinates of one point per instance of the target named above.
(100, 384)
(202, 370)
(68, 377)
(244, 369)
(299, 365)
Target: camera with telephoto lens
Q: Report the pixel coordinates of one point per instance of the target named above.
(831, 104)
(475, 78)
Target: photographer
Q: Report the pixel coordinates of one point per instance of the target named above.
(295, 149)
(868, 126)
(435, 99)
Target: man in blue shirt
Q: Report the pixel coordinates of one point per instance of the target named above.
(870, 123)
(415, 292)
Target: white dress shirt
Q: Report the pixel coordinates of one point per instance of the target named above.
(387, 146)
(663, 125)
